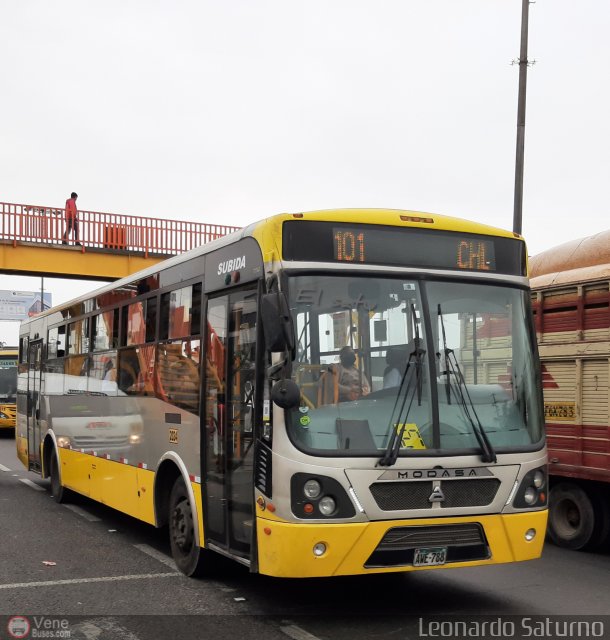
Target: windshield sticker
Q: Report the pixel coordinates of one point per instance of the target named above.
(411, 439)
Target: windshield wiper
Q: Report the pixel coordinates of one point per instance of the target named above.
(452, 368)
(395, 440)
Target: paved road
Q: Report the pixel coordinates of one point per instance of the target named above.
(106, 564)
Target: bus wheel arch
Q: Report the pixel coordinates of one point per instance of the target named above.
(168, 472)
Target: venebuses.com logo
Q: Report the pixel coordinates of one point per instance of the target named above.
(21, 627)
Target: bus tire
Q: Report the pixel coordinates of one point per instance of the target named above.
(60, 493)
(189, 557)
(578, 519)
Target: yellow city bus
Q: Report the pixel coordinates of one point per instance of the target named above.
(8, 387)
(319, 394)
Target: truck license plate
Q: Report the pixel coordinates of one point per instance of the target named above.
(430, 556)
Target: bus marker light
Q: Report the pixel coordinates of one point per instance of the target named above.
(271, 507)
(319, 549)
(308, 507)
(530, 534)
(417, 219)
(297, 215)
(267, 531)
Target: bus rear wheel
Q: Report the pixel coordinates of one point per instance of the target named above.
(578, 519)
(189, 557)
(60, 493)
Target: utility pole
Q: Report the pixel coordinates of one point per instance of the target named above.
(523, 65)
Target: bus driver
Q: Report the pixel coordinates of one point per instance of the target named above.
(352, 382)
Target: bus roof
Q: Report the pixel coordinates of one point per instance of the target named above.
(579, 260)
(268, 232)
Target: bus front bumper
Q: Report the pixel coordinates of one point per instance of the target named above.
(287, 549)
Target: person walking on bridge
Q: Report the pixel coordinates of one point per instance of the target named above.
(71, 219)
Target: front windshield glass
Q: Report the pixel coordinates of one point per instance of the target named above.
(424, 363)
(8, 379)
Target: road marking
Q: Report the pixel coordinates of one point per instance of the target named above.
(3, 468)
(296, 633)
(31, 484)
(54, 583)
(101, 628)
(157, 555)
(81, 512)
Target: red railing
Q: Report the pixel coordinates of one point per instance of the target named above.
(109, 231)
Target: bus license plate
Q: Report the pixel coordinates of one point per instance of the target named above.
(430, 556)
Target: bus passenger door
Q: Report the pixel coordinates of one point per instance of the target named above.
(33, 403)
(228, 451)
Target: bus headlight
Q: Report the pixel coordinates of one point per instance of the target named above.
(310, 497)
(327, 506)
(63, 441)
(530, 495)
(3, 416)
(312, 489)
(532, 491)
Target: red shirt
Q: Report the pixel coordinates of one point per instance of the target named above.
(70, 209)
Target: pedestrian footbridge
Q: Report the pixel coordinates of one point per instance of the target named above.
(111, 245)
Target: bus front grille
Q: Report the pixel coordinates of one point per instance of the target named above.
(397, 547)
(401, 496)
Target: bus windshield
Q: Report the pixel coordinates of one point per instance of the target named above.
(8, 379)
(418, 366)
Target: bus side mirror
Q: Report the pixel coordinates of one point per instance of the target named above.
(277, 322)
(286, 394)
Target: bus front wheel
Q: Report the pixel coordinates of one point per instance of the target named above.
(189, 557)
(578, 519)
(60, 494)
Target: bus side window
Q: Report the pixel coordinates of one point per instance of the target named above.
(61, 341)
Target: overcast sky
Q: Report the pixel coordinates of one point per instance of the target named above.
(229, 111)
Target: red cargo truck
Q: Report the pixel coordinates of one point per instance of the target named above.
(571, 302)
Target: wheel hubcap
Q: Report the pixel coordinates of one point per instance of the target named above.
(182, 526)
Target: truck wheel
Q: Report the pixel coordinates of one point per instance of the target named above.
(60, 494)
(189, 557)
(578, 519)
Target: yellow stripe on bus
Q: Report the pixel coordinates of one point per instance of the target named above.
(120, 486)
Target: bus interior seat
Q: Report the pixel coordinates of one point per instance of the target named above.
(328, 387)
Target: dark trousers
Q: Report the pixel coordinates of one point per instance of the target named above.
(72, 225)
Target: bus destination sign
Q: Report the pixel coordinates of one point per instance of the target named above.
(400, 246)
